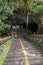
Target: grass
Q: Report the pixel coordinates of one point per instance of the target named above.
(4, 49)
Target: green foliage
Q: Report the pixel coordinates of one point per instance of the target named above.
(35, 5)
(4, 49)
(3, 27)
(7, 7)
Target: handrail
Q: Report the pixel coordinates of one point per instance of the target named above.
(2, 41)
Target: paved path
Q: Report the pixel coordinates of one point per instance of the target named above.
(23, 53)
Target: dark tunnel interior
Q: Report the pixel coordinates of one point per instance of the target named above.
(32, 25)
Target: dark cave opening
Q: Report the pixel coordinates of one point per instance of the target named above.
(32, 25)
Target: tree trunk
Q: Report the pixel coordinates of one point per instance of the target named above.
(17, 4)
(27, 19)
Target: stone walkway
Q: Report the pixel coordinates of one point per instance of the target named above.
(16, 56)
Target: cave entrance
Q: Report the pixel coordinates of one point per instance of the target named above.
(18, 24)
(32, 25)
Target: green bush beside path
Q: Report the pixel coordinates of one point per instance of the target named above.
(4, 49)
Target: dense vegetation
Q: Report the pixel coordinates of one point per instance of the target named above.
(25, 8)
(4, 49)
(6, 9)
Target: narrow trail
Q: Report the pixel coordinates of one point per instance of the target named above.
(23, 52)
